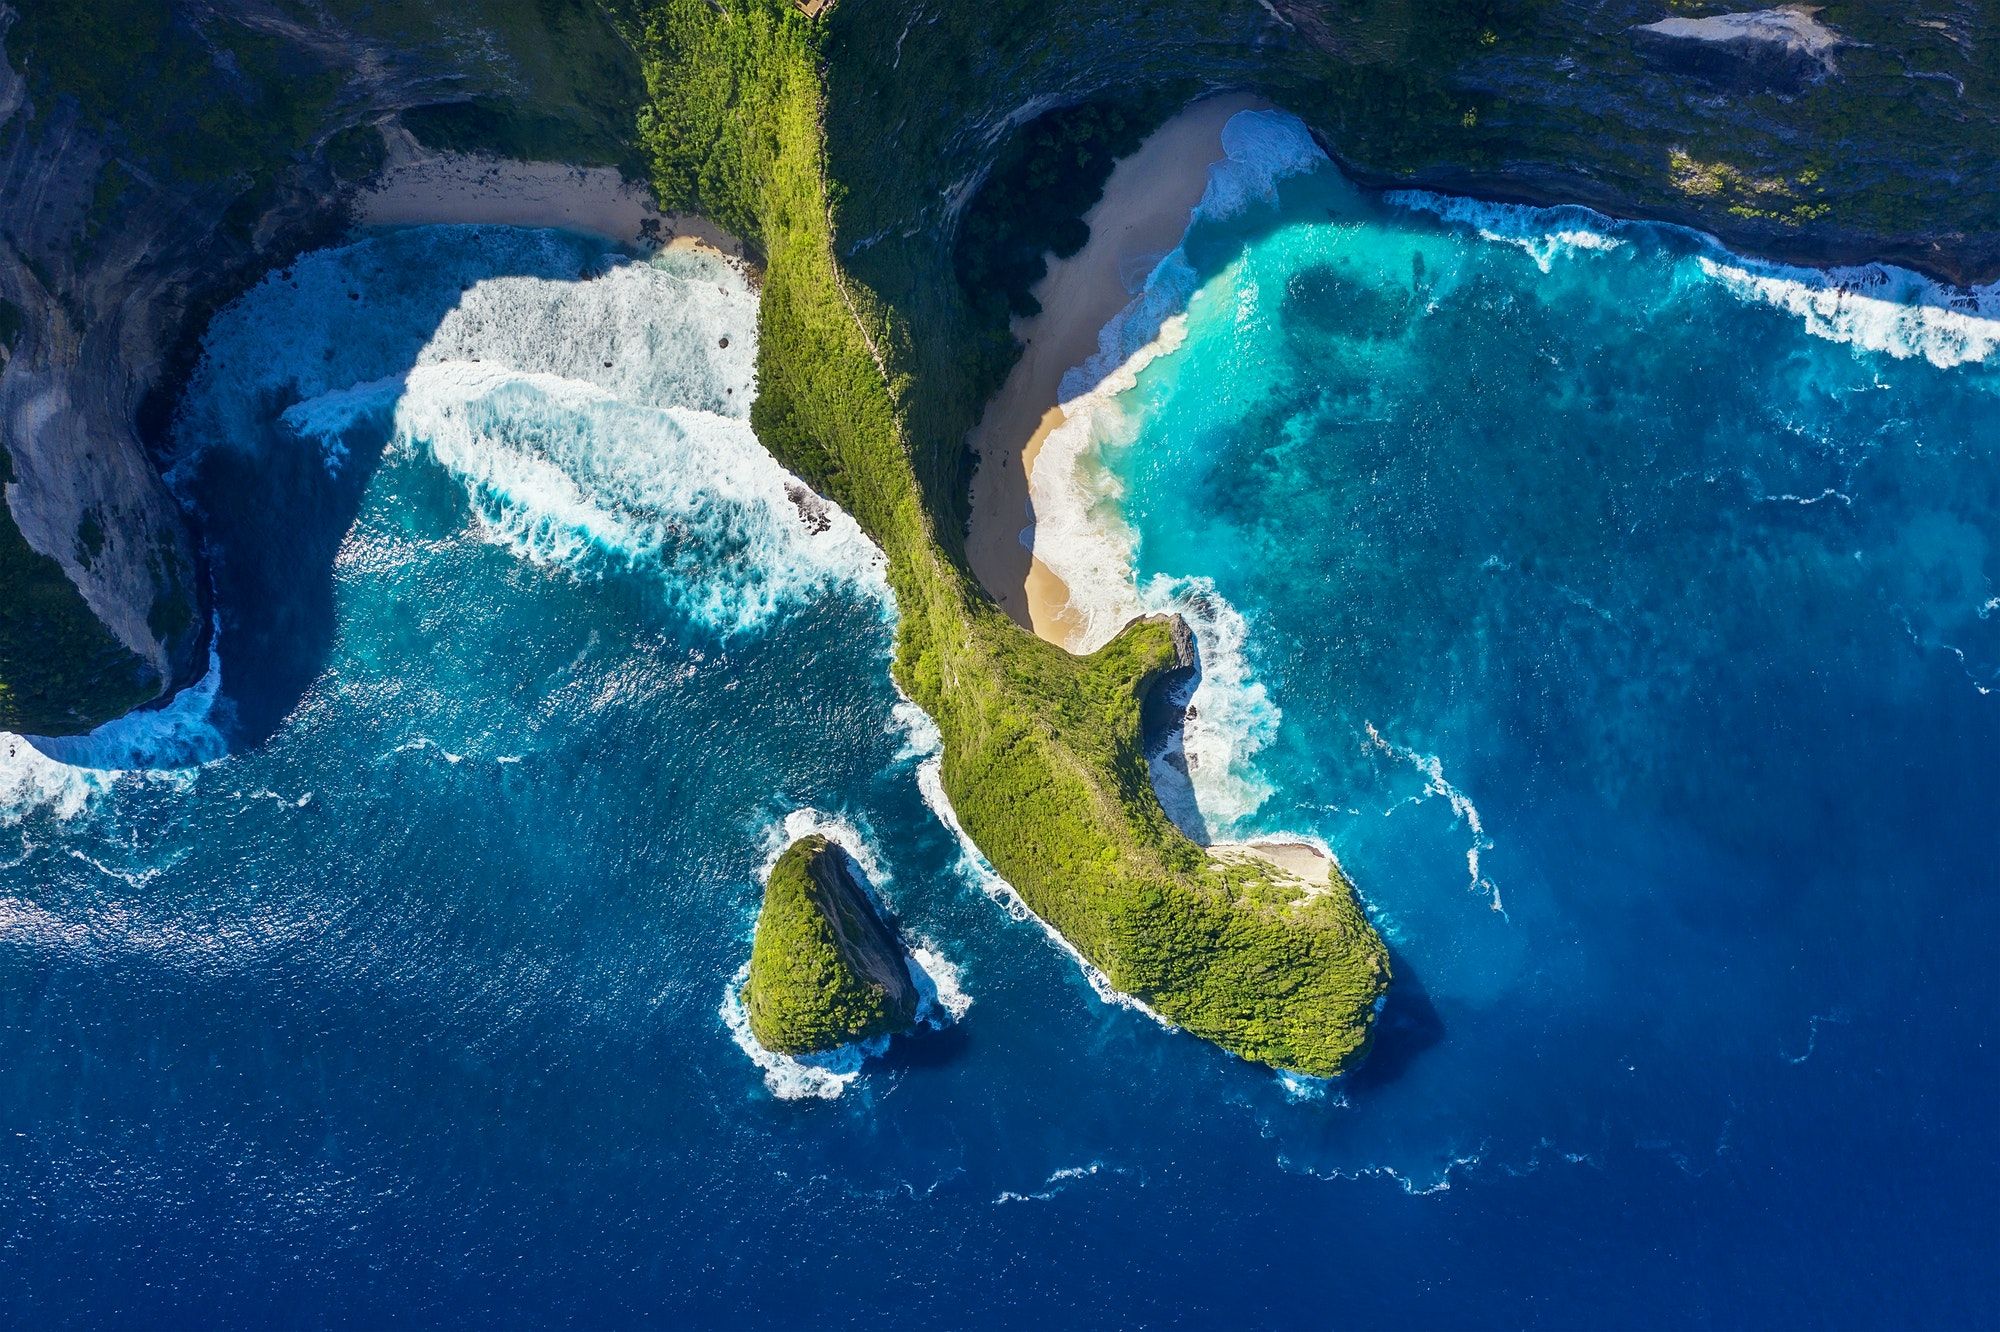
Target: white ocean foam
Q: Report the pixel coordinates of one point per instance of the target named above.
(61, 774)
(1059, 1180)
(595, 410)
(1083, 539)
(1813, 1023)
(836, 828)
(979, 871)
(1301, 1087)
(942, 998)
(561, 472)
(1408, 1182)
(795, 1077)
(1546, 234)
(1260, 149)
(1231, 717)
(1462, 809)
(1875, 307)
(648, 334)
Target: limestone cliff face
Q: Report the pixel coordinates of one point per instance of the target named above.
(155, 158)
(82, 493)
(157, 155)
(1841, 132)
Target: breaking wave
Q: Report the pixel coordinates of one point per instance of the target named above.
(1874, 307)
(61, 774)
(1081, 536)
(1462, 809)
(942, 998)
(977, 870)
(1546, 234)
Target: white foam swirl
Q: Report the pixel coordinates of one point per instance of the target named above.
(942, 998)
(1081, 536)
(60, 775)
(1874, 307)
(1545, 234)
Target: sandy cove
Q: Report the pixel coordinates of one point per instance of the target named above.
(418, 186)
(1141, 218)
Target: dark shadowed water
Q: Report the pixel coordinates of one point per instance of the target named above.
(1627, 633)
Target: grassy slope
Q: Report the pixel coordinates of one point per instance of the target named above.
(803, 995)
(1042, 755)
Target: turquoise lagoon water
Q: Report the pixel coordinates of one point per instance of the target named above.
(1621, 613)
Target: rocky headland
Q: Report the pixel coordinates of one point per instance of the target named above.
(157, 157)
(825, 969)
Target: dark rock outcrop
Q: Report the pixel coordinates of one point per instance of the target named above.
(158, 155)
(1783, 50)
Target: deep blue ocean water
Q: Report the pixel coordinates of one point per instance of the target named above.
(1622, 614)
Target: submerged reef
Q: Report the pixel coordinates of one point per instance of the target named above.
(825, 968)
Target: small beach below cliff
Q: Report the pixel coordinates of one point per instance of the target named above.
(419, 186)
(1140, 218)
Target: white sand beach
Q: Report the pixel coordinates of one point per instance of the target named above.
(1142, 216)
(419, 186)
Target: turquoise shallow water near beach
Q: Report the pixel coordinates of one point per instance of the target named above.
(1622, 614)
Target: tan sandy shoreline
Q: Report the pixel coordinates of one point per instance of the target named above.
(1142, 216)
(419, 186)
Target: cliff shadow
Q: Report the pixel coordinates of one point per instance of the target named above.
(1408, 1025)
(274, 521)
(1069, 356)
(1163, 719)
(274, 500)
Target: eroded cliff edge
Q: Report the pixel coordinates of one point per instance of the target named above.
(848, 150)
(155, 158)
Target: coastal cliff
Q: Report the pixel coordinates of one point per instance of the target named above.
(825, 969)
(848, 152)
(156, 158)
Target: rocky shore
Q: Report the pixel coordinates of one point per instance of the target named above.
(1850, 134)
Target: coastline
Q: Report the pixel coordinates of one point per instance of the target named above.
(418, 186)
(1142, 215)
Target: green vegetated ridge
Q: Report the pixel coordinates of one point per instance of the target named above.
(61, 670)
(1042, 755)
(810, 986)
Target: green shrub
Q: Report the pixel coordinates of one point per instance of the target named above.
(1042, 757)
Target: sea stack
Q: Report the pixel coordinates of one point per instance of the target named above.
(825, 968)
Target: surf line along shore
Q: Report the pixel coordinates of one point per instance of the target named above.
(418, 186)
(1147, 204)
(1145, 210)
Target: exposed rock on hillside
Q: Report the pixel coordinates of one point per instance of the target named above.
(1781, 49)
(156, 157)
(825, 969)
